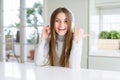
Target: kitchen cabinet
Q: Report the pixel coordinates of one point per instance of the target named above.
(107, 3)
(105, 60)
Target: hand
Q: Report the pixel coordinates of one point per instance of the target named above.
(79, 34)
(45, 32)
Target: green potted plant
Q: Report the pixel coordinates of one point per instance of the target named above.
(114, 34)
(109, 40)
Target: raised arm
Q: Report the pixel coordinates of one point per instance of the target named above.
(43, 47)
(76, 51)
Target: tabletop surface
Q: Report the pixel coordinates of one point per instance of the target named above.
(17, 71)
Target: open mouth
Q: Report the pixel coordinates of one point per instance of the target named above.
(61, 29)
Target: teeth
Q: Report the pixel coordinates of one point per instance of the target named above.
(62, 28)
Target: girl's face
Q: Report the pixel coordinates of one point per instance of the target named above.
(61, 25)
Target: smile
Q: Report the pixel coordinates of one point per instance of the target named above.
(61, 29)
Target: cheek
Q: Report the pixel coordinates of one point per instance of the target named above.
(56, 24)
(56, 28)
(67, 27)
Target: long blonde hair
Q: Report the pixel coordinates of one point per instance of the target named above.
(64, 59)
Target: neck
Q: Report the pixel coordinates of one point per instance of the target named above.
(60, 37)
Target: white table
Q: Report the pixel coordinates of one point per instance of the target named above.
(16, 71)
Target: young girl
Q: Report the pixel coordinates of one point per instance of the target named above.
(59, 45)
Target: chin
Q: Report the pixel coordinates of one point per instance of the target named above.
(61, 34)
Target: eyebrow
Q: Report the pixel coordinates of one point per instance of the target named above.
(59, 18)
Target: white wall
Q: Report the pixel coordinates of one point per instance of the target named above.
(79, 9)
(93, 25)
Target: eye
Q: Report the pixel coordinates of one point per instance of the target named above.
(57, 20)
(65, 21)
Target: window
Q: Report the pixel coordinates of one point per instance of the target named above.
(103, 20)
(12, 21)
(110, 19)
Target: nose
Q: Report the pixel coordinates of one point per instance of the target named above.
(62, 23)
